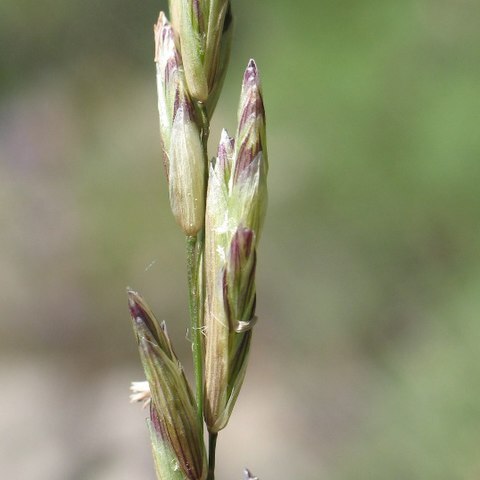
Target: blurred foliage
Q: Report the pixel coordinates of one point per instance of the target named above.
(369, 267)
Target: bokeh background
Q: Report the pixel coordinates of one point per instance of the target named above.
(366, 359)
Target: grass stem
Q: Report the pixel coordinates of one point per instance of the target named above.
(194, 260)
(212, 445)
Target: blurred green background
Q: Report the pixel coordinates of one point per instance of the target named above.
(366, 360)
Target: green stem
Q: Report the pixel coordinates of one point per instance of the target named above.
(194, 263)
(205, 126)
(212, 445)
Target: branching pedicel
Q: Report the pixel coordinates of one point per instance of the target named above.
(220, 206)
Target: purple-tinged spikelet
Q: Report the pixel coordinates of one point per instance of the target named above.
(236, 203)
(182, 145)
(239, 280)
(250, 138)
(175, 431)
